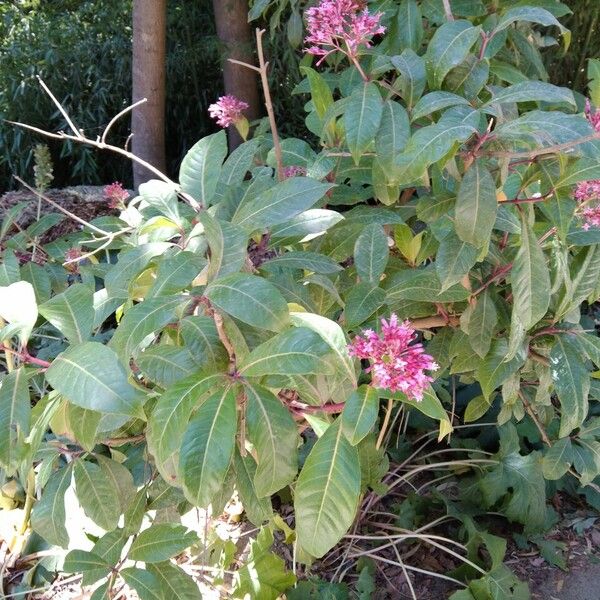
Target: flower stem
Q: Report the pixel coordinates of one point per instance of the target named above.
(386, 422)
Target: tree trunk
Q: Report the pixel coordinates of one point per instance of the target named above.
(149, 81)
(235, 33)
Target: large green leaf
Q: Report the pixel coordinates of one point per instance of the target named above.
(120, 478)
(239, 162)
(163, 197)
(482, 319)
(455, 259)
(250, 299)
(71, 312)
(495, 369)
(409, 25)
(308, 261)
(145, 584)
(327, 492)
(310, 222)
(360, 413)
(175, 273)
(174, 583)
(91, 376)
(39, 278)
(109, 548)
(362, 118)
(166, 365)
(422, 285)
(77, 561)
(15, 415)
(131, 263)
(201, 167)
(361, 302)
(160, 542)
(49, 517)
(227, 244)
(296, 351)
(278, 204)
(533, 91)
(371, 253)
(96, 494)
(413, 75)
(145, 318)
(170, 418)
(530, 280)
(572, 383)
(434, 102)
(393, 133)
(532, 14)
(274, 435)
(448, 48)
(207, 447)
(557, 460)
(84, 425)
(476, 206)
(258, 510)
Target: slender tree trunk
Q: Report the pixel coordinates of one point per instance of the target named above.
(235, 33)
(149, 81)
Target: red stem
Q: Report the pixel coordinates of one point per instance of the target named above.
(27, 358)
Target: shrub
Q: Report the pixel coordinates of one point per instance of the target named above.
(239, 330)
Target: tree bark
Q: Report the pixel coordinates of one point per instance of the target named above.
(149, 81)
(235, 33)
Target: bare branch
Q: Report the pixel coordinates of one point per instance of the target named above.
(76, 131)
(118, 116)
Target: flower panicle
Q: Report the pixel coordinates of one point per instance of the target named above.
(340, 25)
(115, 194)
(397, 363)
(227, 110)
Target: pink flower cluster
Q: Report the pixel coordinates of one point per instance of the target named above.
(293, 171)
(588, 192)
(340, 25)
(397, 363)
(115, 194)
(227, 110)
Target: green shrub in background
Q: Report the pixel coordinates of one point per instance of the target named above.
(83, 51)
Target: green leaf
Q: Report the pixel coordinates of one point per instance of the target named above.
(280, 203)
(454, 260)
(572, 383)
(422, 284)
(410, 25)
(321, 95)
(296, 351)
(589, 344)
(586, 459)
(393, 133)
(327, 492)
(250, 299)
(201, 167)
(360, 413)
(109, 548)
(77, 561)
(145, 318)
(175, 273)
(530, 280)
(134, 515)
(9, 268)
(120, 478)
(174, 583)
(430, 405)
(311, 222)
(202, 340)
(265, 576)
(448, 48)
(258, 510)
(131, 263)
(163, 197)
(309, 261)
(15, 416)
(38, 277)
(71, 312)
(166, 365)
(361, 302)
(228, 245)
(483, 317)
(362, 118)
(583, 169)
(274, 435)
(434, 102)
(476, 206)
(495, 370)
(532, 91)
(48, 518)
(413, 76)
(208, 446)
(91, 376)
(557, 460)
(84, 425)
(371, 253)
(143, 582)
(532, 14)
(238, 163)
(161, 542)
(96, 494)
(476, 409)
(170, 418)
